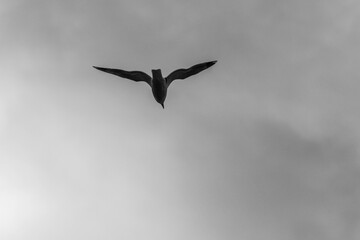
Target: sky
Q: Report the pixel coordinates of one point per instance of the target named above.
(265, 144)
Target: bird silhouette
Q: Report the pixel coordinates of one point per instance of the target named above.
(157, 82)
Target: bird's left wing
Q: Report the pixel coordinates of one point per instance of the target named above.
(136, 76)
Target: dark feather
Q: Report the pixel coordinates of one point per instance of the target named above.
(185, 73)
(136, 76)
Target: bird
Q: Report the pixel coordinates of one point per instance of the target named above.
(157, 82)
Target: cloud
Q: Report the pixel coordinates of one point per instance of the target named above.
(262, 145)
(264, 179)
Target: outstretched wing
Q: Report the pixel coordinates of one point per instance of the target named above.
(136, 76)
(184, 73)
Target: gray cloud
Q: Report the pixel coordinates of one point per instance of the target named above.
(265, 144)
(265, 176)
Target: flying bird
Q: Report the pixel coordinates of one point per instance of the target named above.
(157, 82)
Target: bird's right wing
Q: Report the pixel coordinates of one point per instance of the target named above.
(136, 76)
(185, 73)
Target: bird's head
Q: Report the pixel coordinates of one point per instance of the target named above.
(161, 101)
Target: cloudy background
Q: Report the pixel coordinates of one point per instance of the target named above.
(263, 145)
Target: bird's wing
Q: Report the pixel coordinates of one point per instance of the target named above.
(136, 76)
(184, 73)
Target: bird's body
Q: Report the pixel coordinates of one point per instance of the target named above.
(157, 82)
(159, 86)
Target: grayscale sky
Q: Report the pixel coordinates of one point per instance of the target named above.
(263, 145)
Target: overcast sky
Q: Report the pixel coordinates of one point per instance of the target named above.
(263, 145)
